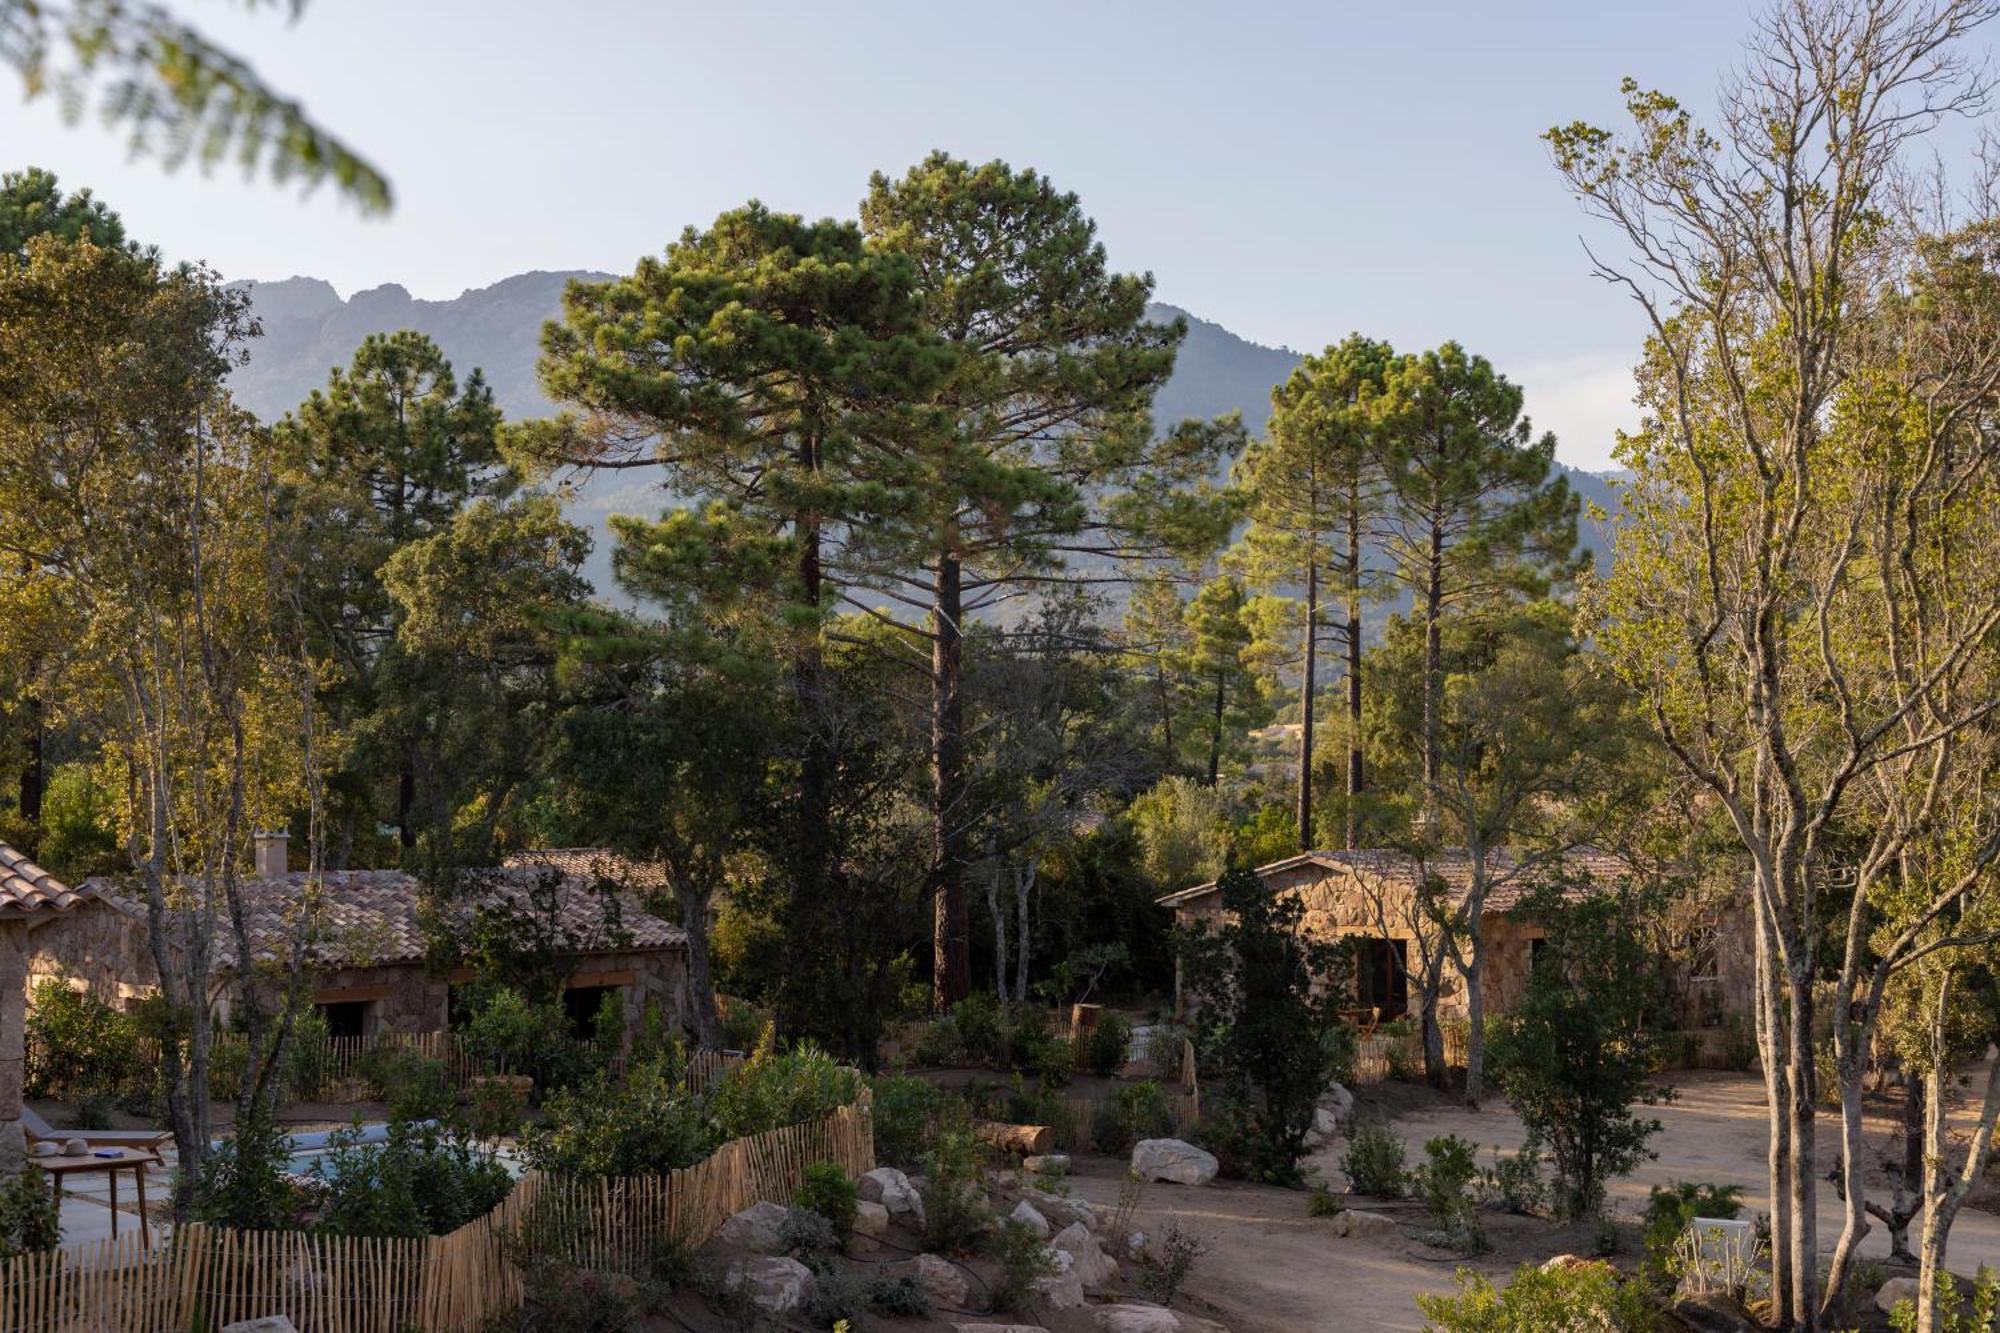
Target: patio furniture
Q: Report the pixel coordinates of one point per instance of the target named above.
(127, 1160)
(1364, 1019)
(142, 1140)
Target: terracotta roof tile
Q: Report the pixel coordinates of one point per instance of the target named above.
(26, 888)
(1588, 865)
(594, 863)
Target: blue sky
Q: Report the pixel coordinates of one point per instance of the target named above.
(1292, 171)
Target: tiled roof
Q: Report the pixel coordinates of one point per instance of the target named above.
(1392, 868)
(370, 918)
(594, 863)
(26, 889)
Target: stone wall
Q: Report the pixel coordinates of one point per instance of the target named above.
(99, 946)
(13, 1045)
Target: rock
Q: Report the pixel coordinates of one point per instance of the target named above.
(893, 1190)
(1894, 1290)
(757, 1229)
(871, 1220)
(998, 1328)
(1062, 1290)
(1093, 1267)
(1371, 1226)
(1027, 1214)
(1060, 1211)
(776, 1285)
(943, 1281)
(1337, 1100)
(1714, 1313)
(1565, 1263)
(270, 1323)
(1172, 1160)
(1043, 1163)
(1137, 1319)
(1325, 1128)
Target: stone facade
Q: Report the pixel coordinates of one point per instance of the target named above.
(13, 1032)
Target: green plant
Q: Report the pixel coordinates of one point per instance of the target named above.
(93, 1112)
(1949, 1306)
(826, 1190)
(29, 1221)
(1580, 1296)
(1375, 1161)
(243, 1181)
(898, 1297)
(308, 1056)
(420, 1182)
(937, 1045)
(647, 1123)
(1163, 1049)
(908, 1114)
(1669, 1210)
(1053, 1062)
(1515, 1182)
(1135, 1111)
(769, 1091)
(416, 1086)
(1167, 1263)
(1110, 1043)
(955, 1215)
(1023, 1257)
(808, 1236)
(1026, 1037)
(1323, 1202)
(508, 1033)
(1442, 1184)
(1131, 1192)
(979, 1027)
(77, 1045)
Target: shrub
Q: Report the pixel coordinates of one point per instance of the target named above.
(807, 1236)
(836, 1297)
(1053, 1061)
(646, 1123)
(28, 1216)
(1374, 1161)
(1323, 1202)
(1167, 1263)
(558, 1298)
(1669, 1210)
(1514, 1183)
(1949, 1303)
(977, 1028)
(416, 1086)
(421, 1182)
(1110, 1043)
(769, 1091)
(1584, 1296)
(826, 1190)
(1163, 1049)
(937, 1045)
(1023, 1257)
(243, 1181)
(955, 1215)
(1441, 1183)
(308, 1056)
(898, 1297)
(77, 1045)
(1135, 1111)
(1027, 1038)
(908, 1114)
(742, 1024)
(508, 1033)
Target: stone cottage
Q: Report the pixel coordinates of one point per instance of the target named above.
(363, 937)
(1370, 896)
(31, 900)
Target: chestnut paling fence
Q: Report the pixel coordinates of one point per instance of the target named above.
(206, 1277)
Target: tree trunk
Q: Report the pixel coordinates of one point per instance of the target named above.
(999, 916)
(406, 804)
(1475, 1015)
(951, 952)
(1304, 808)
(1024, 887)
(1355, 776)
(1433, 658)
(1769, 1014)
(1945, 1185)
(1804, 1183)
(33, 779)
(810, 896)
(1215, 728)
(701, 978)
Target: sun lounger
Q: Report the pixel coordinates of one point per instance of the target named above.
(148, 1139)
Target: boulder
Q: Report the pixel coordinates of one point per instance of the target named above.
(270, 1323)
(1092, 1266)
(1029, 1216)
(893, 1190)
(1337, 1100)
(1060, 1211)
(1135, 1318)
(1894, 1290)
(775, 1284)
(1045, 1162)
(1371, 1226)
(1714, 1313)
(1172, 1160)
(1325, 1128)
(1565, 1263)
(943, 1281)
(1062, 1289)
(871, 1220)
(758, 1229)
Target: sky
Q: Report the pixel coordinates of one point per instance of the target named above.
(1292, 171)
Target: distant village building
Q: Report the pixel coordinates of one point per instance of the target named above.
(1370, 897)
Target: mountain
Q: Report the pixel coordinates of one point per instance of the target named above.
(308, 329)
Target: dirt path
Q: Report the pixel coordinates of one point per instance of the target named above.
(1272, 1269)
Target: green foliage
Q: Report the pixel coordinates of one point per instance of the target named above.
(1952, 1316)
(956, 1220)
(1515, 1182)
(646, 1123)
(1578, 1052)
(77, 1045)
(826, 1190)
(1266, 997)
(1582, 1296)
(508, 1033)
(1024, 1256)
(1375, 1161)
(79, 825)
(1133, 1112)
(1323, 1202)
(422, 1181)
(898, 1297)
(1669, 1211)
(1442, 1183)
(768, 1091)
(1110, 1043)
(28, 1216)
(416, 1086)
(1167, 1262)
(909, 1115)
(1183, 829)
(244, 1182)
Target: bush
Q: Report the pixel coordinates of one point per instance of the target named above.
(742, 1024)
(1053, 1061)
(77, 1045)
(1167, 1263)
(1514, 1183)
(416, 1086)
(1110, 1043)
(28, 1218)
(244, 1181)
(1374, 1161)
(1585, 1296)
(809, 1237)
(1163, 1049)
(646, 1123)
(1323, 1202)
(955, 1215)
(1027, 1038)
(1023, 1257)
(421, 1182)
(826, 1190)
(977, 1028)
(898, 1297)
(1135, 1111)
(308, 1056)
(1952, 1317)
(769, 1091)
(1441, 1183)
(508, 1033)
(1669, 1210)
(908, 1115)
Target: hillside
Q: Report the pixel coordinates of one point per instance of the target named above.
(309, 329)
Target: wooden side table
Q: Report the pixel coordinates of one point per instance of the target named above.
(128, 1159)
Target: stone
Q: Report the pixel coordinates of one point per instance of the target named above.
(1714, 1313)
(270, 1323)
(871, 1220)
(1063, 1289)
(943, 1281)
(893, 1190)
(1172, 1160)
(1029, 1216)
(758, 1229)
(1325, 1128)
(1043, 1163)
(1894, 1290)
(1137, 1318)
(998, 1328)
(1337, 1100)
(1060, 1211)
(1092, 1266)
(1362, 1225)
(1565, 1263)
(776, 1284)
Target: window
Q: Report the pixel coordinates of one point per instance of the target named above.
(346, 1018)
(582, 1004)
(1381, 974)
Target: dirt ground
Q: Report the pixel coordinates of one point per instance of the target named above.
(1272, 1269)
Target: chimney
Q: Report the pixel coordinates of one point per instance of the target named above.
(274, 854)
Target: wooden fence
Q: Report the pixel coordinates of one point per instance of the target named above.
(208, 1276)
(1396, 1051)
